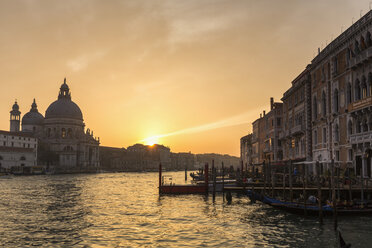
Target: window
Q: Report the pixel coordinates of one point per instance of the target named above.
(357, 90)
(370, 83)
(337, 155)
(315, 108)
(350, 127)
(315, 137)
(337, 133)
(23, 158)
(324, 135)
(335, 101)
(350, 154)
(364, 88)
(278, 121)
(48, 132)
(348, 92)
(335, 65)
(368, 39)
(358, 127)
(365, 126)
(63, 133)
(324, 104)
(69, 133)
(356, 47)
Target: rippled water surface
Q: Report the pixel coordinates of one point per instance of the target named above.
(125, 210)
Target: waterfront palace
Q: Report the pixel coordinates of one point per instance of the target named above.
(326, 114)
(57, 141)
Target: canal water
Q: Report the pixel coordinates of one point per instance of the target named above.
(125, 210)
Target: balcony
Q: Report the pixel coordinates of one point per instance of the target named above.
(360, 104)
(267, 149)
(361, 58)
(297, 129)
(361, 137)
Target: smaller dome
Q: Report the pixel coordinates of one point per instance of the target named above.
(33, 117)
(15, 109)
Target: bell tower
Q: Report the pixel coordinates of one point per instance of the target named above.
(15, 116)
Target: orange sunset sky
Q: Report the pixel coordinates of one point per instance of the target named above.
(191, 74)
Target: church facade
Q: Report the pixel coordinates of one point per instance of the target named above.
(64, 143)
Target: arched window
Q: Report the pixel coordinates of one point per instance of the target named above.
(368, 39)
(337, 133)
(69, 133)
(324, 104)
(350, 127)
(315, 108)
(370, 84)
(63, 133)
(336, 101)
(357, 90)
(365, 126)
(356, 47)
(364, 88)
(358, 127)
(23, 158)
(348, 92)
(362, 43)
(68, 149)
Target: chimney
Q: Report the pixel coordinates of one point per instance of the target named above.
(271, 103)
(260, 115)
(318, 50)
(264, 112)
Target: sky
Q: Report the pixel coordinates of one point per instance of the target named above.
(192, 75)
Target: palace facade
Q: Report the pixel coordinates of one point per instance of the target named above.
(327, 112)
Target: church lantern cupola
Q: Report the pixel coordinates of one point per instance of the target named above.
(15, 116)
(64, 91)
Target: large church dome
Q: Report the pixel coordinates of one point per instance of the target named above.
(33, 117)
(64, 107)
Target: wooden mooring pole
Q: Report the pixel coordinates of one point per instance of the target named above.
(160, 177)
(264, 177)
(304, 186)
(334, 201)
(362, 187)
(223, 182)
(319, 193)
(214, 180)
(290, 181)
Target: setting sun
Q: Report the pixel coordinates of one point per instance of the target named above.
(150, 141)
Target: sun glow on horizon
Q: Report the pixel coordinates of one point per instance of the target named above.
(150, 141)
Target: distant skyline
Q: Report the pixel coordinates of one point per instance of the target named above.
(191, 75)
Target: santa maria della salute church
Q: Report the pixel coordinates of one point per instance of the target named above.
(60, 140)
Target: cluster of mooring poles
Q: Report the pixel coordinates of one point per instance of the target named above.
(307, 187)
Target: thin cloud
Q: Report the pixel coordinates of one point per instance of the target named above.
(236, 120)
(82, 61)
